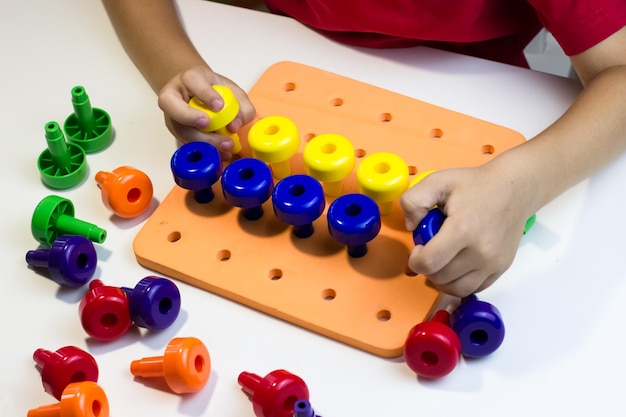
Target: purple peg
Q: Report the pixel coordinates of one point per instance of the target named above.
(154, 303)
(479, 326)
(303, 408)
(71, 260)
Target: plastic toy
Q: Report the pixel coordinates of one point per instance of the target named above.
(378, 300)
(185, 365)
(298, 200)
(329, 158)
(54, 217)
(383, 176)
(79, 399)
(126, 191)
(303, 408)
(64, 366)
(71, 260)
(197, 166)
(247, 183)
(428, 227)
(530, 223)
(88, 127)
(432, 349)
(479, 326)
(274, 140)
(154, 302)
(354, 220)
(275, 394)
(104, 312)
(220, 119)
(63, 164)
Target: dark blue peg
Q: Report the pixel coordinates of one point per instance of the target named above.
(479, 326)
(428, 227)
(197, 166)
(247, 183)
(154, 302)
(354, 220)
(299, 200)
(71, 260)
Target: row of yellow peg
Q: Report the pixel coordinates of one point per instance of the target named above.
(329, 158)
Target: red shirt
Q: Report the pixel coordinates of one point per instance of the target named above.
(497, 30)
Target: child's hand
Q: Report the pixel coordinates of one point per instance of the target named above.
(486, 213)
(184, 122)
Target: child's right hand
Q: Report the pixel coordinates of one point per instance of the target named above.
(184, 121)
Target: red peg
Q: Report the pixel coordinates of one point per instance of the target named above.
(274, 395)
(104, 311)
(432, 349)
(185, 365)
(64, 366)
(79, 399)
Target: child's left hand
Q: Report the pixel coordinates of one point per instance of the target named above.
(486, 210)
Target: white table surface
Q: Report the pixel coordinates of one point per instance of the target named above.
(561, 300)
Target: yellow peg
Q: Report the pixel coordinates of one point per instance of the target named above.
(274, 140)
(329, 158)
(384, 177)
(221, 118)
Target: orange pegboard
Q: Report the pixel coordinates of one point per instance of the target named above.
(370, 302)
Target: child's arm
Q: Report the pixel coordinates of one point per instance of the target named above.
(152, 35)
(487, 206)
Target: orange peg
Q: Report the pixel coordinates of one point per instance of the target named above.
(79, 399)
(186, 365)
(126, 191)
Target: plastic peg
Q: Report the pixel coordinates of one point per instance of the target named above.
(428, 227)
(54, 217)
(303, 408)
(196, 166)
(126, 191)
(79, 399)
(63, 164)
(185, 365)
(298, 200)
(154, 302)
(64, 366)
(383, 176)
(354, 220)
(530, 222)
(88, 127)
(432, 349)
(247, 183)
(329, 158)
(479, 326)
(104, 312)
(218, 120)
(274, 140)
(71, 260)
(275, 394)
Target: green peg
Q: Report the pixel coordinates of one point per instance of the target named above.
(54, 217)
(88, 127)
(62, 164)
(530, 223)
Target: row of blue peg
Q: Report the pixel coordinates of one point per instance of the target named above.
(297, 200)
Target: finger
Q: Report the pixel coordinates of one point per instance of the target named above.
(186, 134)
(200, 84)
(439, 252)
(174, 106)
(419, 199)
(465, 285)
